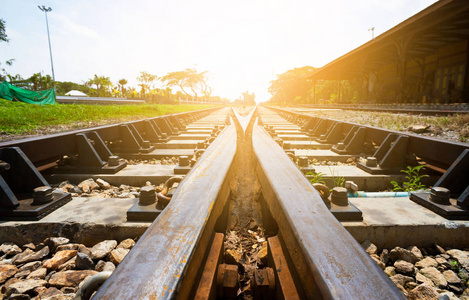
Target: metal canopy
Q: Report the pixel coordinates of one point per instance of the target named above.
(444, 23)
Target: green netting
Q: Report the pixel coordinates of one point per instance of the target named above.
(11, 92)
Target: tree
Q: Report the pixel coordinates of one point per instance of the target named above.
(292, 86)
(3, 34)
(189, 79)
(146, 82)
(102, 84)
(122, 82)
(4, 38)
(248, 99)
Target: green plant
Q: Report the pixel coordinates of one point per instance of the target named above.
(412, 182)
(338, 181)
(316, 177)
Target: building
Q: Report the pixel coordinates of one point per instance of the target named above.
(423, 59)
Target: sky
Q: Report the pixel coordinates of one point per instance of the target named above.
(243, 44)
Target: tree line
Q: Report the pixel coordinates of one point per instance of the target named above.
(192, 85)
(294, 88)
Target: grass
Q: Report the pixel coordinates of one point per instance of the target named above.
(17, 118)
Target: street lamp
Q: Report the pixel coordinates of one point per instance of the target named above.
(46, 10)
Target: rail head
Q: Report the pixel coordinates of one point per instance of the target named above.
(331, 263)
(159, 262)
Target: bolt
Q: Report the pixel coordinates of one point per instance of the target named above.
(113, 161)
(42, 195)
(440, 195)
(4, 166)
(339, 196)
(147, 195)
(371, 162)
(303, 161)
(183, 161)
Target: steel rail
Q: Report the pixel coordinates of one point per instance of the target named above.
(43, 150)
(331, 264)
(439, 153)
(167, 259)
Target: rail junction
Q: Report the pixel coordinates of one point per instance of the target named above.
(239, 170)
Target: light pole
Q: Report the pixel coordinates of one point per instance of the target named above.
(46, 10)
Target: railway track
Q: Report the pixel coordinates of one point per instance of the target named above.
(429, 109)
(245, 221)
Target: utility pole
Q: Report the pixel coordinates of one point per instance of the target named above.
(46, 10)
(372, 29)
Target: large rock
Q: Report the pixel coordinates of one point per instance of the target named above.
(369, 247)
(435, 276)
(24, 286)
(422, 279)
(423, 292)
(390, 271)
(418, 128)
(126, 244)
(117, 255)
(69, 278)
(84, 262)
(451, 277)
(401, 279)
(404, 254)
(10, 249)
(103, 184)
(54, 242)
(416, 251)
(38, 274)
(68, 265)
(426, 263)
(45, 293)
(7, 271)
(59, 258)
(101, 250)
(378, 261)
(461, 256)
(88, 185)
(28, 256)
(105, 266)
(26, 269)
(404, 267)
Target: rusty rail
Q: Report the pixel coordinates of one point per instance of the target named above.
(331, 264)
(167, 259)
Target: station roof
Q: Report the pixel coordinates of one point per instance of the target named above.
(443, 23)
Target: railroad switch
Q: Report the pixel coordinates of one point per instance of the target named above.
(449, 197)
(24, 194)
